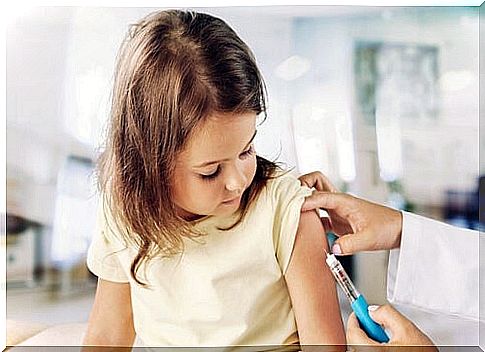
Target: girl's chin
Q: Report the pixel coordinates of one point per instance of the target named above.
(224, 209)
(187, 215)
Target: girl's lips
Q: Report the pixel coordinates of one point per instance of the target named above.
(230, 201)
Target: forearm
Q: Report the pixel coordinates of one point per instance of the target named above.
(111, 319)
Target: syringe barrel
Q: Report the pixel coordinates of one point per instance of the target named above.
(342, 278)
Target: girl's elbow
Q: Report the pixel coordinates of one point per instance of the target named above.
(109, 338)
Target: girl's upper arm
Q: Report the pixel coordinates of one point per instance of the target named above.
(111, 319)
(312, 287)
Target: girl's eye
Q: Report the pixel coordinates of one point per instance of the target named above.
(212, 175)
(248, 152)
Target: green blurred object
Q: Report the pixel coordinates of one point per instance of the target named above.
(346, 260)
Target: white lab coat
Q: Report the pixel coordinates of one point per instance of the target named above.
(433, 278)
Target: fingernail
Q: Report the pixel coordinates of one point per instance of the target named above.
(336, 249)
(372, 308)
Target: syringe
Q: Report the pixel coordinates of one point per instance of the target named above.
(357, 301)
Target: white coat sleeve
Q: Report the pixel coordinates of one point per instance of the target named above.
(436, 268)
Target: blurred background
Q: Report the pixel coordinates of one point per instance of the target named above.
(383, 100)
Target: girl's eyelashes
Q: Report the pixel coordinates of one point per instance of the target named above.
(212, 175)
(248, 152)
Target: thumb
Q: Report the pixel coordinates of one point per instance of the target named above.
(388, 317)
(351, 243)
(354, 333)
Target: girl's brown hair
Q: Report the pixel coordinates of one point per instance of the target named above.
(174, 69)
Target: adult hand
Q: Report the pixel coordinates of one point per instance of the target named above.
(402, 330)
(361, 225)
(335, 223)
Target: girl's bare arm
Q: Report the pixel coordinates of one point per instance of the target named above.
(111, 319)
(312, 287)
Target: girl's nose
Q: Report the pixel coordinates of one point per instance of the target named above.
(235, 181)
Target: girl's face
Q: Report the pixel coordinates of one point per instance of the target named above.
(216, 167)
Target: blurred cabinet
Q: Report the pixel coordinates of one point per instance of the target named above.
(21, 241)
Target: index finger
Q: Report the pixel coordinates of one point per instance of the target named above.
(319, 181)
(325, 200)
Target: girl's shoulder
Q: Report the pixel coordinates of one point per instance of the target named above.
(284, 188)
(286, 196)
(282, 183)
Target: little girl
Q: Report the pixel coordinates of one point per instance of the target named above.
(201, 242)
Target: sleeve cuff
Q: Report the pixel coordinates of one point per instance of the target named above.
(400, 278)
(114, 274)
